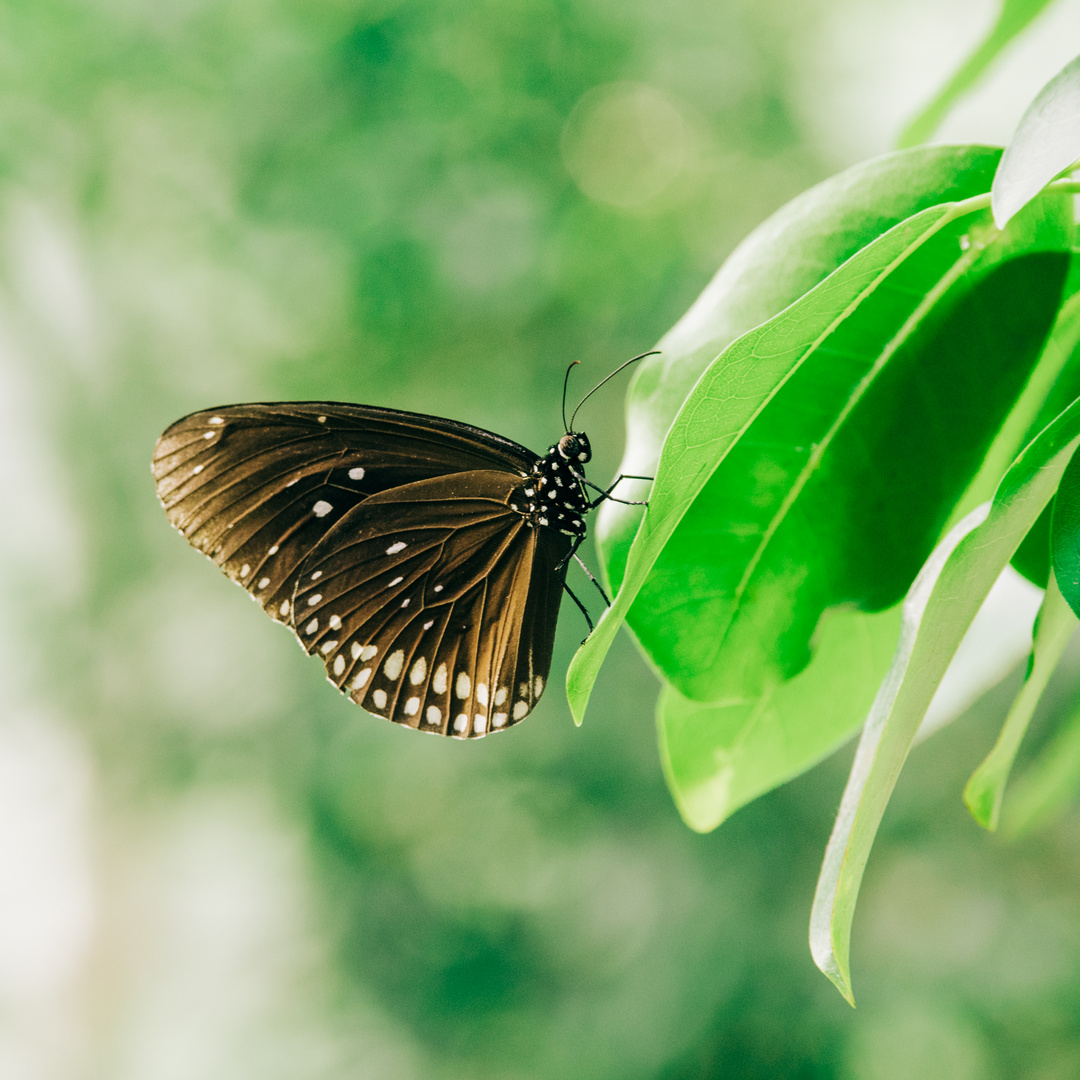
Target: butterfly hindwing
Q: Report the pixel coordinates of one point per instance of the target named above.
(432, 604)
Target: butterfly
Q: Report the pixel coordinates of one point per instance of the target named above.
(423, 560)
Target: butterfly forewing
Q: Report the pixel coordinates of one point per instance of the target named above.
(256, 487)
(395, 545)
(417, 599)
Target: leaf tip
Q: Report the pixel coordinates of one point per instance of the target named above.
(836, 973)
(578, 689)
(981, 799)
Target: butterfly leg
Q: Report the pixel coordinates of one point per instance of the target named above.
(605, 493)
(582, 608)
(589, 575)
(572, 554)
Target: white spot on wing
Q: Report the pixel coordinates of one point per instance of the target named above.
(263, 582)
(284, 609)
(368, 651)
(311, 626)
(245, 570)
(198, 469)
(429, 624)
(379, 697)
(461, 722)
(327, 647)
(463, 685)
(313, 599)
(498, 719)
(396, 581)
(393, 549)
(321, 508)
(412, 706)
(339, 665)
(405, 602)
(273, 550)
(521, 708)
(479, 723)
(361, 680)
(433, 714)
(209, 435)
(335, 622)
(538, 685)
(392, 667)
(500, 695)
(438, 680)
(438, 588)
(481, 693)
(316, 575)
(357, 473)
(216, 420)
(419, 671)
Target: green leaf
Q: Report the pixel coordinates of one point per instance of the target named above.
(1015, 15)
(937, 612)
(986, 788)
(1048, 784)
(1065, 536)
(780, 261)
(859, 447)
(717, 757)
(1046, 142)
(754, 367)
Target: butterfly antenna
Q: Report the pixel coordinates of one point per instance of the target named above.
(565, 383)
(632, 360)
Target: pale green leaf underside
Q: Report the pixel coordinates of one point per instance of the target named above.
(1047, 141)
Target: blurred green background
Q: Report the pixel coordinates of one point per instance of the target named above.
(213, 866)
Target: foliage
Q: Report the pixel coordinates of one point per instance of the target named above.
(856, 379)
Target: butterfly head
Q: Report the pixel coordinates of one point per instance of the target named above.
(574, 446)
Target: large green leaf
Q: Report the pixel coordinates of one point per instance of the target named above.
(937, 612)
(909, 355)
(1046, 143)
(1014, 17)
(779, 262)
(691, 453)
(839, 487)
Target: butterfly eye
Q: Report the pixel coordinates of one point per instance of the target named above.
(575, 447)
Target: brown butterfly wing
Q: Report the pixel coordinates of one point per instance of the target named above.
(257, 487)
(434, 604)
